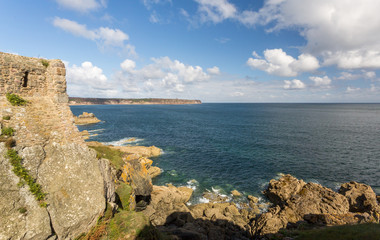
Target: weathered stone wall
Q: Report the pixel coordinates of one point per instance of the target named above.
(53, 152)
(28, 77)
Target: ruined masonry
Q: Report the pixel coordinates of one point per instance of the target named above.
(52, 150)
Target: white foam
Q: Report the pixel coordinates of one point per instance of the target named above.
(193, 184)
(96, 130)
(124, 141)
(203, 200)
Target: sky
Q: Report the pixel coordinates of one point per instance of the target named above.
(212, 50)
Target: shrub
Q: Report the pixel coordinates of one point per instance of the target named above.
(16, 100)
(45, 62)
(10, 143)
(6, 117)
(8, 131)
(23, 174)
(124, 192)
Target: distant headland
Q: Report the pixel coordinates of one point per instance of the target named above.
(130, 101)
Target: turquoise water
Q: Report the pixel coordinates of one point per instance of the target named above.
(222, 147)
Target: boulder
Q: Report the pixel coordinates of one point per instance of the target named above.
(21, 215)
(142, 151)
(235, 193)
(154, 171)
(361, 197)
(279, 191)
(70, 175)
(136, 174)
(316, 199)
(166, 200)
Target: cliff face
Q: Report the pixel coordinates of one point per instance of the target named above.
(121, 101)
(53, 152)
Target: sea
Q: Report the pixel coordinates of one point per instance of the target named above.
(219, 147)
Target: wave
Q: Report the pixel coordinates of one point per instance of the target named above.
(124, 141)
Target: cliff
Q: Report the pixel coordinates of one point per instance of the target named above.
(54, 162)
(121, 101)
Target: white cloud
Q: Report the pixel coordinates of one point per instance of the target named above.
(277, 62)
(352, 89)
(82, 5)
(87, 80)
(163, 75)
(344, 33)
(323, 82)
(294, 84)
(237, 94)
(357, 75)
(214, 70)
(104, 36)
(128, 65)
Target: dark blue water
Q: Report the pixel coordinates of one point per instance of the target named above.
(243, 146)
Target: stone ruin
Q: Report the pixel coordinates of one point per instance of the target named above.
(32, 77)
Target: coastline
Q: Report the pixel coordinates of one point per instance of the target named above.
(76, 101)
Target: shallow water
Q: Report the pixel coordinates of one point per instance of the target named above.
(242, 146)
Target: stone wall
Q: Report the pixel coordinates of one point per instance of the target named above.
(32, 77)
(53, 152)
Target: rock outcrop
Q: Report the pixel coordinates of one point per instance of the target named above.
(53, 152)
(296, 201)
(86, 118)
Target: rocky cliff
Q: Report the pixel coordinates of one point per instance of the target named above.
(122, 101)
(52, 152)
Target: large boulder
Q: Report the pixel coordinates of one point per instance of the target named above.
(316, 199)
(166, 200)
(361, 197)
(21, 215)
(70, 175)
(279, 191)
(295, 200)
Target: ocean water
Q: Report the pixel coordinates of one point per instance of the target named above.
(221, 147)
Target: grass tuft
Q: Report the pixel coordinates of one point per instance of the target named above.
(24, 176)
(113, 155)
(45, 62)
(8, 131)
(16, 100)
(7, 117)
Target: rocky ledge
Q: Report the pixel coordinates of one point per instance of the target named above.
(86, 118)
(294, 204)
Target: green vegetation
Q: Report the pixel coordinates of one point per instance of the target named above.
(8, 131)
(113, 155)
(15, 100)
(124, 192)
(45, 62)
(22, 210)
(368, 231)
(23, 174)
(6, 117)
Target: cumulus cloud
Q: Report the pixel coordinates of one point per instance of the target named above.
(88, 80)
(215, 10)
(103, 36)
(277, 62)
(214, 70)
(343, 33)
(82, 5)
(323, 82)
(163, 74)
(294, 84)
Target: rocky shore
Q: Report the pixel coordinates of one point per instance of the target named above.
(292, 205)
(86, 118)
(122, 101)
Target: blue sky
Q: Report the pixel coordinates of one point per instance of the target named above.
(213, 50)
